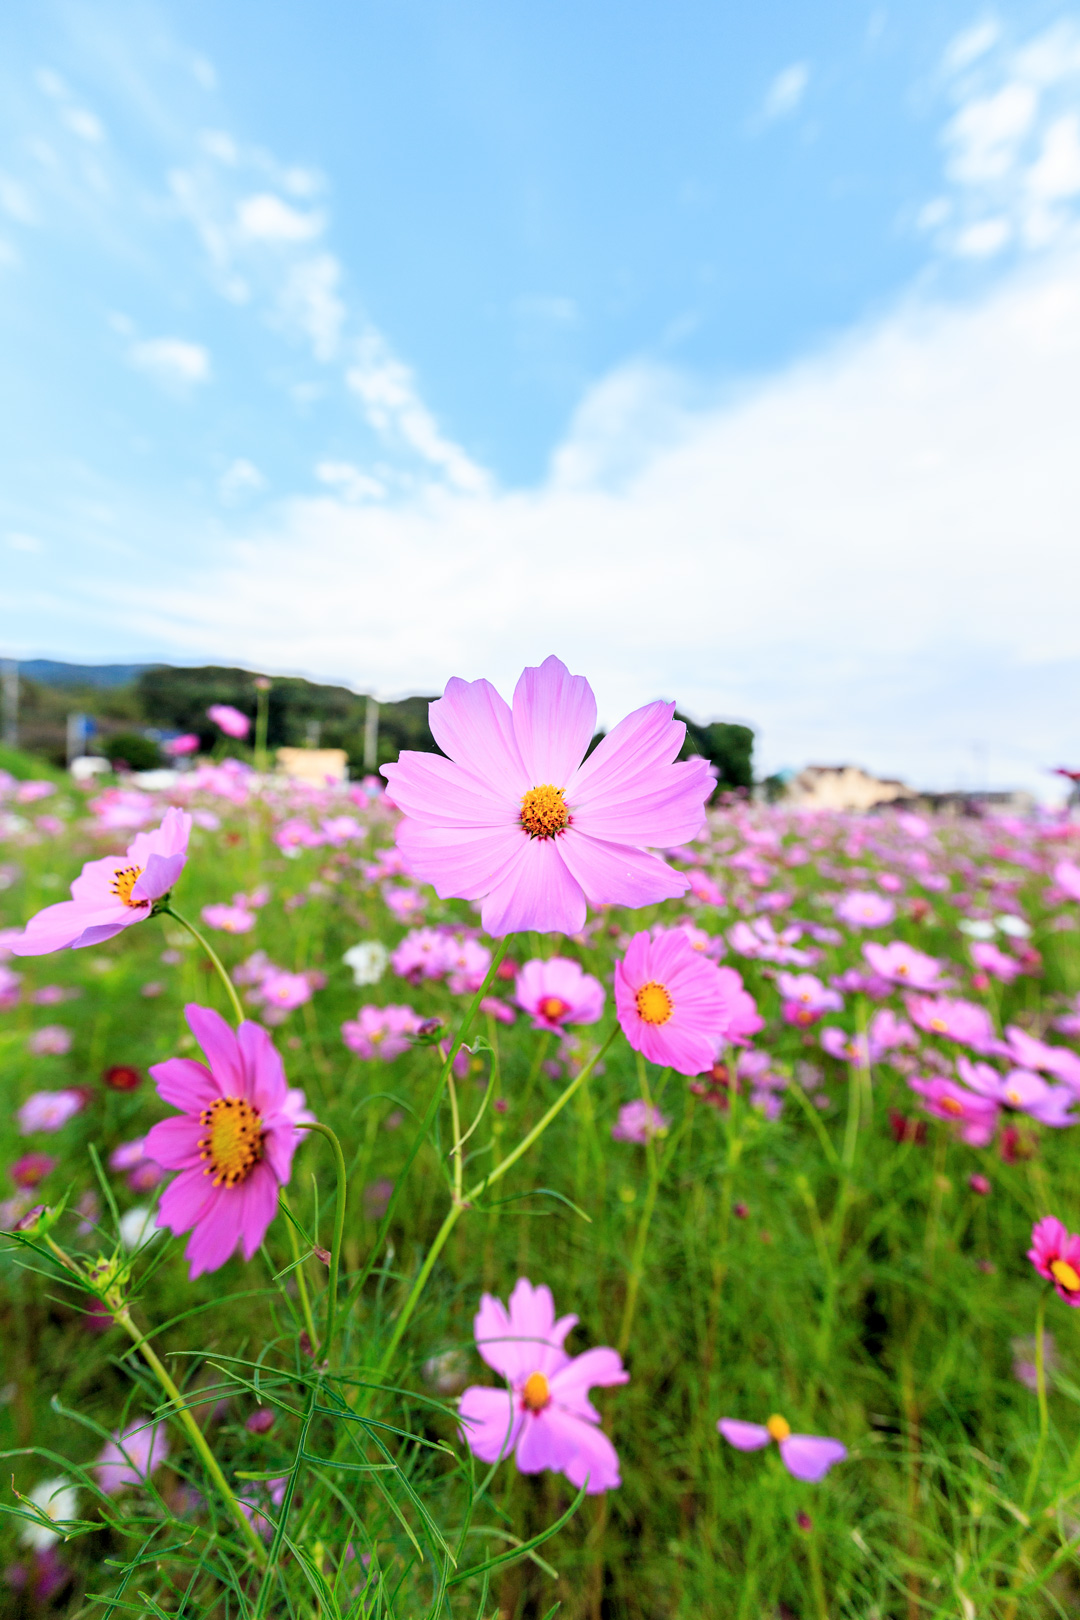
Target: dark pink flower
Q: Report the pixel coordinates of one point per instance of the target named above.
(806, 1456)
(178, 746)
(517, 817)
(111, 894)
(32, 1168)
(670, 1002)
(557, 992)
(1055, 1254)
(974, 1116)
(545, 1415)
(233, 1143)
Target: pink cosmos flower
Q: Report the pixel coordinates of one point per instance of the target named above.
(545, 1415)
(9, 989)
(558, 992)
(233, 1143)
(380, 1032)
(975, 1117)
(639, 1122)
(1020, 1091)
(31, 1168)
(805, 998)
(48, 1111)
(517, 817)
(131, 1456)
(467, 962)
(1067, 878)
(744, 1020)
(286, 991)
(962, 1021)
(670, 1002)
(294, 835)
(498, 1009)
(111, 894)
(806, 1456)
(864, 909)
(996, 962)
(902, 964)
(229, 919)
(51, 1040)
(177, 747)
(1031, 1053)
(228, 719)
(339, 830)
(846, 1048)
(1055, 1254)
(423, 954)
(405, 904)
(887, 1032)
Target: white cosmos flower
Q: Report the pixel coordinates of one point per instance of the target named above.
(368, 961)
(59, 1499)
(137, 1227)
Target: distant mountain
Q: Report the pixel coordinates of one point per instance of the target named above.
(51, 673)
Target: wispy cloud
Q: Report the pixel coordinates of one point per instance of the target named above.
(173, 362)
(786, 92)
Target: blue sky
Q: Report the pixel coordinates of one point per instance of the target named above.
(729, 352)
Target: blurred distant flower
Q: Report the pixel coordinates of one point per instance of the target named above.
(864, 909)
(902, 964)
(962, 1021)
(368, 961)
(979, 1184)
(32, 1168)
(111, 894)
(122, 1077)
(131, 1456)
(380, 1032)
(975, 1117)
(638, 1122)
(805, 998)
(51, 1040)
(58, 1500)
(261, 1421)
(1024, 1367)
(377, 1198)
(48, 1110)
(228, 719)
(557, 992)
(999, 964)
(806, 1456)
(179, 746)
(285, 990)
(518, 818)
(229, 919)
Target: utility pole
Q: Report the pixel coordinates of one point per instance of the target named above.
(371, 736)
(9, 686)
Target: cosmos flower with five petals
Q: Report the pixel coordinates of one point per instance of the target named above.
(672, 1003)
(515, 816)
(806, 1456)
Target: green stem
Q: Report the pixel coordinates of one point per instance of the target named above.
(298, 1268)
(194, 1433)
(167, 911)
(1040, 1388)
(339, 1232)
(637, 1263)
(457, 1209)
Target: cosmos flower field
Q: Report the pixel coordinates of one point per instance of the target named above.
(673, 1218)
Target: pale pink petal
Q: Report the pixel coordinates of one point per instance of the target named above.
(554, 722)
(473, 725)
(595, 1368)
(744, 1436)
(281, 1142)
(61, 926)
(460, 863)
(645, 739)
(537, 892)
(174, 1143)
(263, 1068)
(665, 808)
(159, 876)
(544, 1443)
(496, 1340)
(489, 1422)
(185, 1084)
(93, 886)
(810, 1456)
(532, 1321)
(184, 1200)
(615, 874)
(594, 1457)
(258, 1206)
(221, 1047)
(437, 790)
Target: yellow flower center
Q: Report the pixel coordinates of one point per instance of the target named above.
(536, 1393)
(233, 1144)
(654, 1003)
(543, 812)
(951, 1106)
(938, 1025)
(1012, 1096)
(778, 1427)
(122, 884)
(1066, 1275)
(554, 1007)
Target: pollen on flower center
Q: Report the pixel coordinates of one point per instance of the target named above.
(1066, 1275)
(543, 812)
(122, 884)
(554, 1007)
(536, 1393)
(233, 1145)
(951, 1105)
(654, 1003)
(778, 1427)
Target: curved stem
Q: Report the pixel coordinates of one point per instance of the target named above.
(339, 1231)
(298, 1267)
(238, 1011)
(194, 1433)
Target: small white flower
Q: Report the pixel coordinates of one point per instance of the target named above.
(976, 929)
(1015, 927)
(59, 1499)
(137, 1227)
(368, 961)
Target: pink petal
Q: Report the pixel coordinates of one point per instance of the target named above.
(496, 1340)
(281, 1142)
(810, 1456)
(744, 1436)
(554, 722)
(159, 876)
(263, 1068)
(436, 790)
(570, 1445)
(184, 1083)
(221, 1047)
(657, 813)
(616, 875)
(174, 1143)
(593, 1369)
(215, 1237)
(632, 750)
(460, 863)
(184, 1201)
(489, 1423)
(473, 725)
(532, 1321)
(59, 927)
(258, 1206)
(537, 892)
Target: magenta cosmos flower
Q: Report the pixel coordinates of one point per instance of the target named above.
(671, 1002)
(807, 1456)
(545, 1415)
(517, 817)
(381, 1032)
(557, 992)
(228, 719)
(903, 964)
(233, 1143)
(864, 909)
(1055, 1254)
(111, 894)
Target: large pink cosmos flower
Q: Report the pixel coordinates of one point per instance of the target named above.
(233, 1143)
(1055, 1254)
(672, 1002)
(111, 894)
(807, 1456)
(557, 992)
(517, 817)
(546, 1414)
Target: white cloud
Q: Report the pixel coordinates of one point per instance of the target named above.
(1056, 172)
(983, 239)
(872, 555)
(265, 218)
(220, 145)
(23, 542)
(786, 91)
(350, 482)
(239, 481)
(984, 135)
(86, 125)
(970, 45)
(173, 362)
(395, 410)
(309, 300)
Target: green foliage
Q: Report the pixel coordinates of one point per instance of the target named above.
(25, 766)
(132, 749)
(730, 747)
